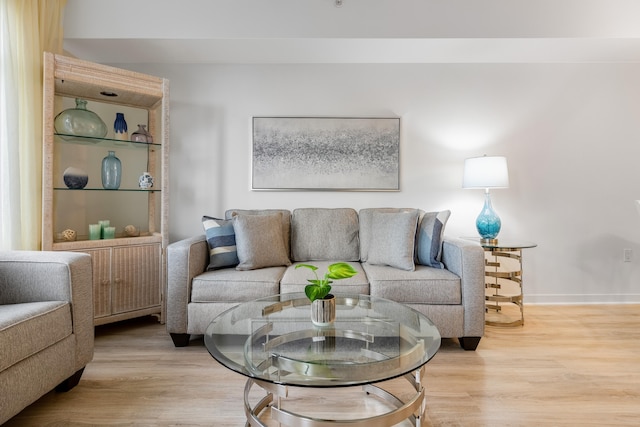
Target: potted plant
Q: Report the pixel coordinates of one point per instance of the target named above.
(323, 304)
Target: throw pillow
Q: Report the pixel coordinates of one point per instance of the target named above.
(222, 242)
(393, 236)
(430, 234)
(260, 241)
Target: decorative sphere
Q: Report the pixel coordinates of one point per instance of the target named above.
(69, 235)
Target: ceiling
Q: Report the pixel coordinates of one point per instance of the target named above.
(359, 31)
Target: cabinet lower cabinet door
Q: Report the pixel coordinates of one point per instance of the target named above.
(101, 260)
(126, 281)
(135, 278)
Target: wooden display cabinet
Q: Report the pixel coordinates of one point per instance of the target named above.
(128, 271)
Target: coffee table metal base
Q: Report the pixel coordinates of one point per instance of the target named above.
(412, 409)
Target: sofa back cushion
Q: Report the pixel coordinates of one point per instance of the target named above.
(286, 221)
(325, 234)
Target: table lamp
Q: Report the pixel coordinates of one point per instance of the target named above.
(486, 172)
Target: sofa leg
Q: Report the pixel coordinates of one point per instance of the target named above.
(469, 343)
(70, 382)
(180, 340)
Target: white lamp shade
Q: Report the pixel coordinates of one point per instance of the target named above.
(486, 172)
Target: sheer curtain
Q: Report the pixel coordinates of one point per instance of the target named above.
(27, 29)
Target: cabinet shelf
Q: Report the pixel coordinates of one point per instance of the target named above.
(103, 142)
(84, 243)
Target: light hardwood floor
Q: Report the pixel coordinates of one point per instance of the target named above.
(567, 366)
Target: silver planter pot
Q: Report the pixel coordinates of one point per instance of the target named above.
(323, 311)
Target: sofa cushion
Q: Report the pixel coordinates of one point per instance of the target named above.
(319, 234)
(30, 328)
(366, 229)
(429, 239)
(294, 280)
(425, 285)
(222, 242)
(260, 241)
(286, 221)
(231, 285)
(393, 236)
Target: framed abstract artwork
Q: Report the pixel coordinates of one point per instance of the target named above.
(326, 153)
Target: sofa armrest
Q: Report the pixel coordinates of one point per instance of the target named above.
(466, 259)
(186, 259)
(32, 276)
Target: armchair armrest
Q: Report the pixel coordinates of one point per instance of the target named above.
(32, 276)
(185, 259)
(466, 259)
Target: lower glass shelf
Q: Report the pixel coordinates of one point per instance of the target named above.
(142, 190)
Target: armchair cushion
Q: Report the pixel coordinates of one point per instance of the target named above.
(30, 328)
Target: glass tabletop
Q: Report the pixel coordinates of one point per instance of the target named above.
(273, 339)
(504, 244)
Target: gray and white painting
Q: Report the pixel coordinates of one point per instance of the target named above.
(326, 153)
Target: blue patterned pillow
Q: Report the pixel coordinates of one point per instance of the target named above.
(430, 232)
(222, 242)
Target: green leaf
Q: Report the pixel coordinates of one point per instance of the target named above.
(309, 266)
(314, 292)
(341, 270)
(320, 288)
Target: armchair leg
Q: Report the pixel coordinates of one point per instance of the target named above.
(180, 340)
(469, 343)
(70, 382)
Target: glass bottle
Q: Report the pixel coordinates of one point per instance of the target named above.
(111, 171)
(80, 121)
(142, 135)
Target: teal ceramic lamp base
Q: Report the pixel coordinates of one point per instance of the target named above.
(488, 222)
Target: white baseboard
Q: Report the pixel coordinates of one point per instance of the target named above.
(568, 299)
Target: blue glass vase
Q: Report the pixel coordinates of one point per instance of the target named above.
(111, 171)
(120, 130)
(488, 222)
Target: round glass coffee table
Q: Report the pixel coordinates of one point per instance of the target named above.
(273, 342)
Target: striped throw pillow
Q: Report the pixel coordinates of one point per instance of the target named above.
(430, 233)
(222, 242)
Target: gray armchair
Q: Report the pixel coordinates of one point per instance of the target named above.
(46, 325)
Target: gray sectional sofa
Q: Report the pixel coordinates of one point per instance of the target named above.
(400, 254)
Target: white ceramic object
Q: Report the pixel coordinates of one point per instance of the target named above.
(145, 181)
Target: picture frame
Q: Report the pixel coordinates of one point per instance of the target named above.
(326, 153)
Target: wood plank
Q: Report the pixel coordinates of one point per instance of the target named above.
(567, 366)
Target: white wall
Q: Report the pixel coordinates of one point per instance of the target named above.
(570, 132)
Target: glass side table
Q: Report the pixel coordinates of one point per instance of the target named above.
(503, 281)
